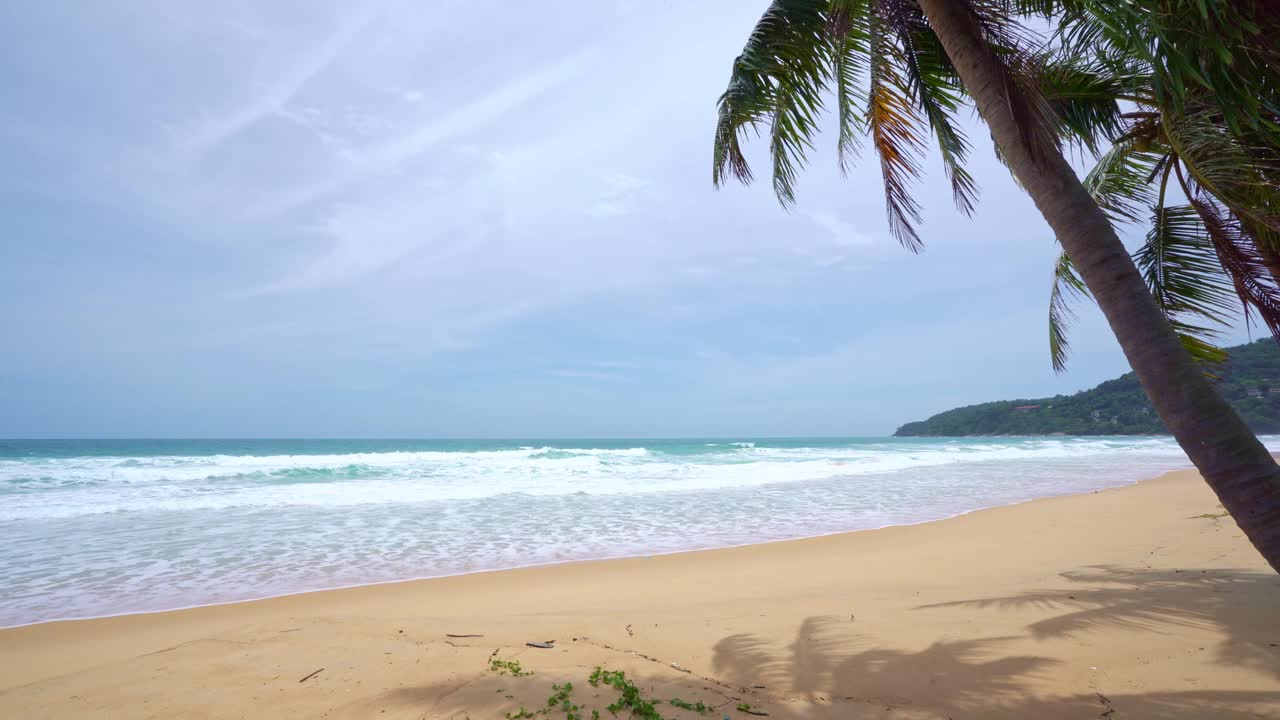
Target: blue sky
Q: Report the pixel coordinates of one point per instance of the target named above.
(468, 219)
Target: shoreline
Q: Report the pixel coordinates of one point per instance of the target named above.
(611, 558)
(1141, 594)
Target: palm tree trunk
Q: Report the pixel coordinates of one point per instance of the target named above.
(1230, 458)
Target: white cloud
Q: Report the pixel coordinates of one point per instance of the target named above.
(389, 155)
(620, 194)
(842, 232)
(282, 88)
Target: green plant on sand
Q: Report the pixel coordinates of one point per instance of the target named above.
(508, 667)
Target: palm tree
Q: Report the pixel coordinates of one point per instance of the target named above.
(918, 60)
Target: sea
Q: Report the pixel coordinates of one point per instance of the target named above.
(91, 528)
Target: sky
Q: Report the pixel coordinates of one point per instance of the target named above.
(469, 219)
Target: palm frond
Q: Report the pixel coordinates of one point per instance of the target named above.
(1200, 345)
(934, 85)
(790, 137)
(1080, 33)
(1222, 49)
(1267, 241)
(896, 135)
(1083, 95)
(1242, 176)
(1067, 285)
(1239, 256)
(738, 109)
(1181, 267)
(779, 78)
(849, 28)
(1121, 181)
(1037, 8)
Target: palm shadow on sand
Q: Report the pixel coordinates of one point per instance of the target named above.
(828, 670)
(1234, 602)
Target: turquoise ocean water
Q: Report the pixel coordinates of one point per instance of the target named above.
(98, 527)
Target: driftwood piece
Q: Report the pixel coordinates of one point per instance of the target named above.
(308, 677)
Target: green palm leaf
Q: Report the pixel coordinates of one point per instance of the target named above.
(850, 26)
(1242, 176)
(1067, 285)
(1180, 264)
(779, 78)
(890, 78)
(896, 135)
(1225, 50)
(1084, 95)
(1239, 257)
(1121, 181)
(933, 84)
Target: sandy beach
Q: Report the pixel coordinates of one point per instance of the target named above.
(1138, 602)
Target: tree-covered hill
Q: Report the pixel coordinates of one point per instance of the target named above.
(1249, 380)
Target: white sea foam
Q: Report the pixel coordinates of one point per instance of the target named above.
(127, 484)
(91, 535)
(58, 488)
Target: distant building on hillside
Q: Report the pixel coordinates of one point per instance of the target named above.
(1025, 408)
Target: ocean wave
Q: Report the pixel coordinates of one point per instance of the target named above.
(66, 487)
(87, 471)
